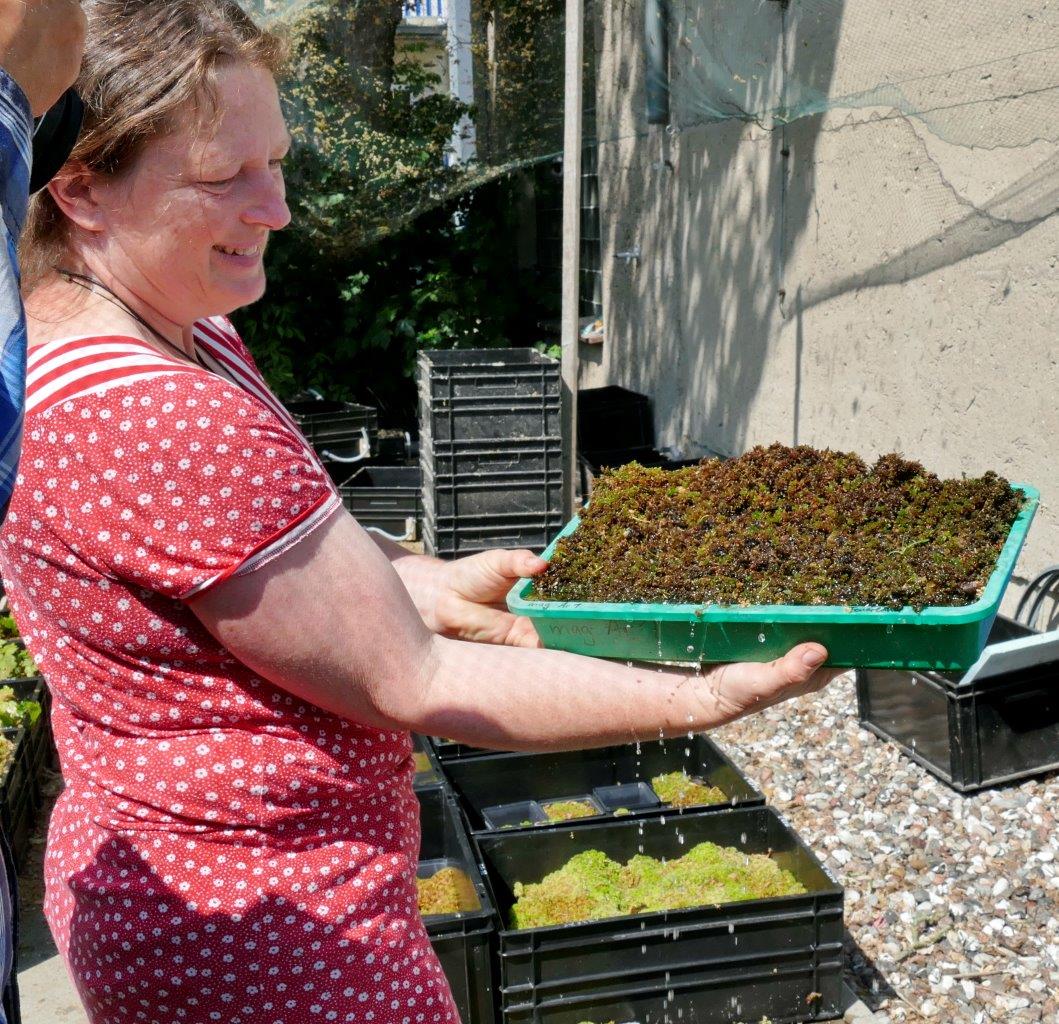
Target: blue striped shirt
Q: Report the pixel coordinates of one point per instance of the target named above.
(16, 127)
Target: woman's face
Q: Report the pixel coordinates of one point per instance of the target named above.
(185, 229)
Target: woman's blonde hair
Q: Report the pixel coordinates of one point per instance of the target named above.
(146, 63)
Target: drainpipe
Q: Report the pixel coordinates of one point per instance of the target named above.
(656, 53)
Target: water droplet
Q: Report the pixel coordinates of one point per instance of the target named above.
(731, 928)
(889, 627)
(742, 837)
(691, 648)
(761, 638)
(628, 626)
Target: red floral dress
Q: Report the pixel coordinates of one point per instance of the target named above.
(222, 850)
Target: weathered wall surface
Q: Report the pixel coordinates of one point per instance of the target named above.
(857, 278)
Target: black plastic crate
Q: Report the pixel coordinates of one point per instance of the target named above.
(780, 957)
(969, 734)
(18, 817)
(342, 428)
(386, 499)
(450, 750)
(470, 495)
(733, 963)
(15, 780)
(449, 537)
(38, 740)
(488, 393)
(490, 780)
(613, 417)
(463, 942)
(462, 459)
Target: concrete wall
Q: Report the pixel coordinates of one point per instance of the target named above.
(856, 278)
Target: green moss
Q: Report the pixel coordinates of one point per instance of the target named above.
(567, 810)
(586, 888)
(681, 790)
(448, 891)
(781, 525)
(7, 755)
(591, 886)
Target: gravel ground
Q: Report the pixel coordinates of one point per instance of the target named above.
(951, 911)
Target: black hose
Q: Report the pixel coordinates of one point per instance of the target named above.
(1037, 590)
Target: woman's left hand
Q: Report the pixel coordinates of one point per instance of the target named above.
(470, 605)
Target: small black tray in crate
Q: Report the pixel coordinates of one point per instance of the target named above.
(463, 942)
(450, 750)
(385, 499)
(487, 393)
(779, 957)
(974, 729)
(492, 780)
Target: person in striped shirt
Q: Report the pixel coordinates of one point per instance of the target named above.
(41, 42)
(235, 663)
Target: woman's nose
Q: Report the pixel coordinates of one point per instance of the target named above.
(268, 204)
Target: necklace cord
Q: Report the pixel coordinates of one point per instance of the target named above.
(90, 284)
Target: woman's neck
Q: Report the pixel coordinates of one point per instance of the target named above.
(76, 301)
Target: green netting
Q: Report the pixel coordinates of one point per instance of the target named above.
(386, 127)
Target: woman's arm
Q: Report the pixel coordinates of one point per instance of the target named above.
(330, 621)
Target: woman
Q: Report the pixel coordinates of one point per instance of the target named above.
(235, 663)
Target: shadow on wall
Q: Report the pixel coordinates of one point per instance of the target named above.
(707, 201)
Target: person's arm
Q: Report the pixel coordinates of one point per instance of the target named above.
(41, 42)
(331, 622)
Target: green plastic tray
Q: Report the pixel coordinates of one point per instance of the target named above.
(946, 639)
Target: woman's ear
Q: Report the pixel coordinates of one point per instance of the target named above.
(75, 190)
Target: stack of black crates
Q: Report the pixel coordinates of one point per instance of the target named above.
(775, 957)
(491, 449)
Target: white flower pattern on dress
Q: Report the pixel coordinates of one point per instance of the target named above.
(222, 852)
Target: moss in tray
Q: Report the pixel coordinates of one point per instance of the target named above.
(591, 886)
(447, 891)
(680, 790)
(788, 526)
(568, 810)
(7, 754)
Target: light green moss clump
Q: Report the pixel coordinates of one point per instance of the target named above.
(591, 886)
(586, 888)
(567, 810)
(681, 790)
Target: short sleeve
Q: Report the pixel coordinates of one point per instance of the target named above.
(181, 480)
